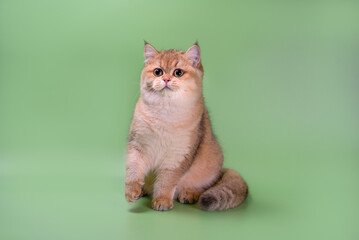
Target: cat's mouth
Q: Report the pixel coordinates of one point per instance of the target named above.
(154, 88)
(166, 88)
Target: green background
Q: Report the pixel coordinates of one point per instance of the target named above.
(281, 84)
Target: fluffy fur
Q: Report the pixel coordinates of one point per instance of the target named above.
(172, 152)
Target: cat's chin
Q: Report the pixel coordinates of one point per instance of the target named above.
(165, 89)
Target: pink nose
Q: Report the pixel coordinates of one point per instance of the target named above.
(166, 79)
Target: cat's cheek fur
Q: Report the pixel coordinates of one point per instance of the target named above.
(158, 84)
(188, 93)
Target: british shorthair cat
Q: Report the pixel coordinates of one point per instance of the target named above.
(172, 152)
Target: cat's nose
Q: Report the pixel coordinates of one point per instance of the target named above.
(166, 79)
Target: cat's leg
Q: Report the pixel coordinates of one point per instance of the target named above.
(165, 186)
(202, 174)
(136, 169)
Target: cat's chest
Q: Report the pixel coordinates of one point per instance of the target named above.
(166, 143)
(168, 138)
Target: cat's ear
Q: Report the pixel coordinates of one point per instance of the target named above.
(150, 52)
(194, 54)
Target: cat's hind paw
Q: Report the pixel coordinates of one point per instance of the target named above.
(188, 196)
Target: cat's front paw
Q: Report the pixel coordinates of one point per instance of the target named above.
(133, 191)
(162, 204)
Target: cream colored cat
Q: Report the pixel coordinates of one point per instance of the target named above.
(172, 152)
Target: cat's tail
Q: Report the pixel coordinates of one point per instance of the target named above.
(229, 191)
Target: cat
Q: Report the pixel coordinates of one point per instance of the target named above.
(172, 152)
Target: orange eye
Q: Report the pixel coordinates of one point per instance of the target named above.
(178, 73)
(158, 72)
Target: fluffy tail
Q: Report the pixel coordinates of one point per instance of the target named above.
(230, 191)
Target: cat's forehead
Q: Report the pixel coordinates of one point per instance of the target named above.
(170, 58)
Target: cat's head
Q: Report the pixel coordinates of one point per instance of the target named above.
(172, 74)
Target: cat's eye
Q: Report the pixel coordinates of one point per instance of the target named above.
(158, 72)
(178, 73)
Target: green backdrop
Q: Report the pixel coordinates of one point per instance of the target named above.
(281, 84)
